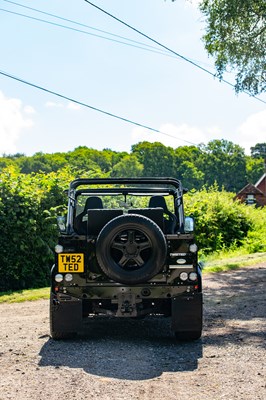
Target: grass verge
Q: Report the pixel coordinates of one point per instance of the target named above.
(222, 262)
(212, 263)
(24, 295)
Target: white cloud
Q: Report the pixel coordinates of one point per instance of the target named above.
(53, 104)
(70, 105)
(253, 130)
(29, 110)
(73, 106)
(12, 121)
(173, 135)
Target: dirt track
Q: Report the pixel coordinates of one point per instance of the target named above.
(140, 359)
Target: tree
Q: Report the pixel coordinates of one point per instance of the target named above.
(157, 159)
(86, 159)
(254, 169)
(225, 163)
(41, 162)
(236, 37)
(129, 167)
(258, 151)
(191, 176)
(187, 166)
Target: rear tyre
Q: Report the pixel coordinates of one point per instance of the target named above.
(63, 335)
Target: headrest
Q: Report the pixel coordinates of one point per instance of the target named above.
(158, 201)
(93, 202)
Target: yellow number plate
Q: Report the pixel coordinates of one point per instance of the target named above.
(70, 262)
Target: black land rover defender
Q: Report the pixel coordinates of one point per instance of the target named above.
(126, 250)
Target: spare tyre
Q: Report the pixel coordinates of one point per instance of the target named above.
(131, 249)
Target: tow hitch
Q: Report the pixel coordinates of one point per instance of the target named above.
(127, 305)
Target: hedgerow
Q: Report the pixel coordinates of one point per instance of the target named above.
(28, 207)
(222, 222)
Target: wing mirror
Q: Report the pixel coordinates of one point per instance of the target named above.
(189, 224)
(61, 223)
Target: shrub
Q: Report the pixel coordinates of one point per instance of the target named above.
(255, 240)
(28, 206)
(221, 222)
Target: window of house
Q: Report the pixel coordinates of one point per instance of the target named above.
(250, 199)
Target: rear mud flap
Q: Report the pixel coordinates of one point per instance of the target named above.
(187, 313)
(66, 316)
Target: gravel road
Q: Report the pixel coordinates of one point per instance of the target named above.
(125, 359)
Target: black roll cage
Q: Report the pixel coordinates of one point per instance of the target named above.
(125, 186)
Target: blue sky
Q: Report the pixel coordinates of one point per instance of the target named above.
(163, 92)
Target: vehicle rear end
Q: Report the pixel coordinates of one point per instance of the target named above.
(133, 256)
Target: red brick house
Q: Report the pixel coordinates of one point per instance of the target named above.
(254, 194)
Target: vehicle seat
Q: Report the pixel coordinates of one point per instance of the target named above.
(92, 203)
(170, 219)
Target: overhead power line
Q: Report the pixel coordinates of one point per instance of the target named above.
(158, 51)
(79, 24)
(165, 52)
(92, 107)
(131, 42)
(168, 49)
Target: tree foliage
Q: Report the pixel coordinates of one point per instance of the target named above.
(219, 161)
(128, 167)
(236, 38)
(187, 166)
(259, 151)
(157, 159)
(254, 169)
(225, 163)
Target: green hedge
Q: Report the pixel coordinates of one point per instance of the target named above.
(28, 206)
(223, 223)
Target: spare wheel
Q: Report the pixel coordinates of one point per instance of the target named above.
(131, 249)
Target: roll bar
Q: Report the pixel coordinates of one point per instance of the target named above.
(126, 181)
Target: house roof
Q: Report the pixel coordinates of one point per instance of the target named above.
(250, 189)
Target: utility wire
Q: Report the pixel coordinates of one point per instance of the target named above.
(79, 24)
(168, 49)
(147, 47)
(158, 51)
(92, 107)
(169, 52)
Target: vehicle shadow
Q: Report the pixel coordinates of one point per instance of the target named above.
(124, 349)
